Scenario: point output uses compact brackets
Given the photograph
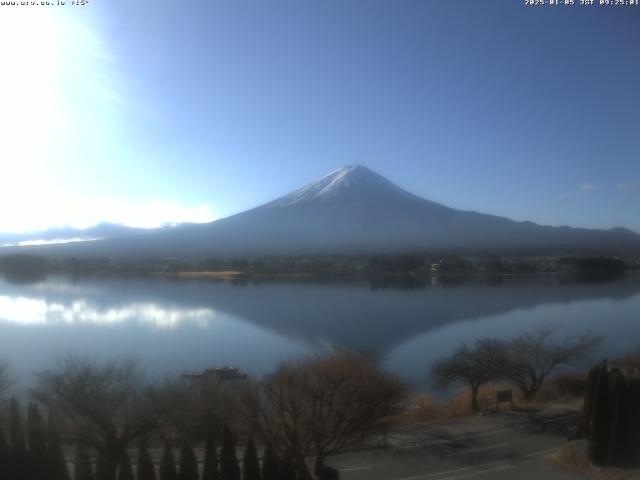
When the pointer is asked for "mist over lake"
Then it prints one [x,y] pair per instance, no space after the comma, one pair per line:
[177,325]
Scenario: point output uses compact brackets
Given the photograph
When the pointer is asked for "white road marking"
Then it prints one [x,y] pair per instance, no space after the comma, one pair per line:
[473,474]
[455,439]
[491,432]
[471,450]
[437,442]
[351,469]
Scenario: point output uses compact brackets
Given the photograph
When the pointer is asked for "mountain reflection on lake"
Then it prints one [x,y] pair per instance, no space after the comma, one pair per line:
[173,325]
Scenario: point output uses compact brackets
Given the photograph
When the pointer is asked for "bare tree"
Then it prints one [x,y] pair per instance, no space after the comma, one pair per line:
[532,356]
[184,405]
[105,403]
[320,406]
[475,366]
[629,363]
[193,413]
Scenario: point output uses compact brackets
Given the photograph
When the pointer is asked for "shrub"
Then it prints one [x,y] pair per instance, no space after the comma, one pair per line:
[269,464]
[57,462]
[145,469]
[250,464]
[229,468]
[168,465]
[82,464]
[210,467]
[19,454]
[124,469]
[188,462]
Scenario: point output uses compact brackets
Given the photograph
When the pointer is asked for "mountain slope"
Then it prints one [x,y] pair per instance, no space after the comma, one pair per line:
[354,210]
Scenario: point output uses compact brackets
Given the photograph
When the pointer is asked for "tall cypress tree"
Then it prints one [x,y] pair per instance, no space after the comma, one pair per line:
[57,463]
[600,424]
[145,469]
[229,468]
[250,465]
[619,418]
[188,462]
[270,464]
[82,469]
[287,472]
[38,457]
[168,465]
[19,453]
[210,468]
[587,407]
[101,470]
[6,472]
[124,468]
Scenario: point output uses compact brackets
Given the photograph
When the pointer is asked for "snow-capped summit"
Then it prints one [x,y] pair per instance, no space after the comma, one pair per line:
[351,180]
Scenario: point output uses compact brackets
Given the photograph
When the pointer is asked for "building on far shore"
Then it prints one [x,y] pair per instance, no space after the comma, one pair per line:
[211,378]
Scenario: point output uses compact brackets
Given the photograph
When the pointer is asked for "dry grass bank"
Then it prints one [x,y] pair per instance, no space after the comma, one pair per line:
[565,390]
[574,457]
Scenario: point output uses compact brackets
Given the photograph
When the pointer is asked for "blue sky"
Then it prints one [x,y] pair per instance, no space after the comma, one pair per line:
[151,111]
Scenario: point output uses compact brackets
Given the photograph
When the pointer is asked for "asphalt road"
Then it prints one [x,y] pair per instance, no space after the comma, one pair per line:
[501,446]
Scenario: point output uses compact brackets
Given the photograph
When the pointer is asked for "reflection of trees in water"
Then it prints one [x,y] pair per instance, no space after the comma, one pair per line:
[384,315]
[20,268]
[25,277]
[591,277]
[373,315]
[398,282]
[375,282]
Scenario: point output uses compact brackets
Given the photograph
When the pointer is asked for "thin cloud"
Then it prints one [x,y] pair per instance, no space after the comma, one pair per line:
[39,214]
[161,213]
[628,186]
[588,187]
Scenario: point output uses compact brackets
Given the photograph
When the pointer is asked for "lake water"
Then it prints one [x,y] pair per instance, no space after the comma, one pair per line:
[177,325]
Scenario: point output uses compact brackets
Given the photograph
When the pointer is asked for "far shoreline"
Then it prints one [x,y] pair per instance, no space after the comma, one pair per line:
[230,274]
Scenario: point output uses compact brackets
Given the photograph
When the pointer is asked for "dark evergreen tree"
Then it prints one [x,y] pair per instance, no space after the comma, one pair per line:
[19,453]
[611,416]
[168,465]
[210,468]
[38,457]
[633,425]
[125,472]
[619,418]
[188,462]
[102,470]
[5,458]
[57,465]
[587,406]
[250,464]
[82,469]
[145,469]
[229,468]
[287,471]
[600,423]
[269,464]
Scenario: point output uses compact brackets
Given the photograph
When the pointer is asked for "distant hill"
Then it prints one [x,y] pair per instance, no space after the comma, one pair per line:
[102,230]
[354,210]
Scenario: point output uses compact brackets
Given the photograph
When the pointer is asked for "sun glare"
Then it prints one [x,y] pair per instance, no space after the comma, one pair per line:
[30,54]
[30,106]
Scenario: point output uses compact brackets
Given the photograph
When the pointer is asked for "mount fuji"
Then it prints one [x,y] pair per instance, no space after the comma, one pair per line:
[354,210]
